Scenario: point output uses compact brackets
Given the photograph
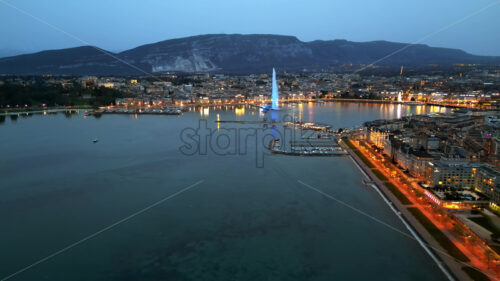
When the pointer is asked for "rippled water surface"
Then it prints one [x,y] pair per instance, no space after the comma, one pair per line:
[242,222]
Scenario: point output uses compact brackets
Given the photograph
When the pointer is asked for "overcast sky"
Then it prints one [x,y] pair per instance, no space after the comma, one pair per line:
[123,24]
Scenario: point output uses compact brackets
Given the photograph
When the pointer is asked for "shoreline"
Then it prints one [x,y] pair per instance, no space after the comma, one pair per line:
[11,111]
[41,111]
[451,268]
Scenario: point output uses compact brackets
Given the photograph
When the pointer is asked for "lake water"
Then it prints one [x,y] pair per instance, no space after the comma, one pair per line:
[243,222]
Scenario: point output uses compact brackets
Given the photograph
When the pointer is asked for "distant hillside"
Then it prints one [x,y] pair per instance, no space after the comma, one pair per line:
[234,53]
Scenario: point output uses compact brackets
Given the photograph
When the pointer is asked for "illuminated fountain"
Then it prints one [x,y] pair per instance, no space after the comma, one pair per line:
[275,96]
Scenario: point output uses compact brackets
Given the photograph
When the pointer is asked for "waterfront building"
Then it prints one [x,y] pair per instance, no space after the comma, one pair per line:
[415,161]
[479,177]
[457,175]
[378,138]
[488,183]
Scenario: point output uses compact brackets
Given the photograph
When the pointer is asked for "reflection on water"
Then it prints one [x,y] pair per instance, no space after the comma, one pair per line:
[239,110]
[301,111]
[354,113]
[419,109]
[205,111]
[437,109]
[242,222]
[68,114]
[329,112]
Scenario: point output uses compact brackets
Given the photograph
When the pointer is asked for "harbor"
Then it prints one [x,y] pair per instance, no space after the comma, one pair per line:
[324,143]
[138,110]
[307,150]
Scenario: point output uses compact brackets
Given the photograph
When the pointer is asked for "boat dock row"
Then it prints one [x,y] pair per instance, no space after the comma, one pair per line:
[311,150]
[308,126]
[246,122]
[155,110]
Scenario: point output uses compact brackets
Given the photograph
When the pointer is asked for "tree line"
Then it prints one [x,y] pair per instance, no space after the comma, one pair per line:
[39,93]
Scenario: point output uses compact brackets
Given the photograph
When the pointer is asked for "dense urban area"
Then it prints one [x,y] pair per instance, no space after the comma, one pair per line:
[466,85]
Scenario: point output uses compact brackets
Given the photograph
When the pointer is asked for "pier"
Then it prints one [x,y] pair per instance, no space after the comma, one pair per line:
[141,110]
[246,122]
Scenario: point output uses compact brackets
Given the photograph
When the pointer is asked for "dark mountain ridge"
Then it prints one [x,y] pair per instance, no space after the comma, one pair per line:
[235,53]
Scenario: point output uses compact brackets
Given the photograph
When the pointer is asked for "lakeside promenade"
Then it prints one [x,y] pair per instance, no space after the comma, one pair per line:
[450,266]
